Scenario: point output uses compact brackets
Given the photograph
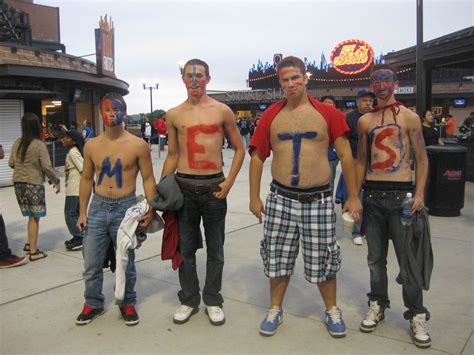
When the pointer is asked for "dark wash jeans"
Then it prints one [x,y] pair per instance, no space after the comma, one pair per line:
[382,219]
[212,211]
[71,215]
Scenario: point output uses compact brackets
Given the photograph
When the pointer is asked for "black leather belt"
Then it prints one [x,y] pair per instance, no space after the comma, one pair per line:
[302,197]
[198,188]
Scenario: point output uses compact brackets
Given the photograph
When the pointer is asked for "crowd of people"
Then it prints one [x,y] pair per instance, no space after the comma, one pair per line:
[372,145]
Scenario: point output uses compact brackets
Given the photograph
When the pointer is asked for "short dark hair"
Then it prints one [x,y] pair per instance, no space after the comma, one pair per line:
[196,61]
[114,96]
[330,97]
[291,62]
[384,67]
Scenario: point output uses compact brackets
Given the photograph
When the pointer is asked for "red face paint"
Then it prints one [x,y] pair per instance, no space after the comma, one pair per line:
[195,148]
[292,81]
[195,80]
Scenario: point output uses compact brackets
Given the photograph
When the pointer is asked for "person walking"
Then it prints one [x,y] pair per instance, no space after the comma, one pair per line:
[74,142]
[30,161]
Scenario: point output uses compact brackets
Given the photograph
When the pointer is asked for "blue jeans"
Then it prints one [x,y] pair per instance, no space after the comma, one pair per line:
[71,215]
[382,219]
[103,220]
[162,140]
[212,211]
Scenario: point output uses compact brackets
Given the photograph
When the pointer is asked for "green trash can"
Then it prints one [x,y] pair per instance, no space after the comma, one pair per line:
[446,180]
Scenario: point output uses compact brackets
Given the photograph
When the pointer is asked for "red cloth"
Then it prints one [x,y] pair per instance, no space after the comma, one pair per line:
[336,123]
[161,126]
[170,244]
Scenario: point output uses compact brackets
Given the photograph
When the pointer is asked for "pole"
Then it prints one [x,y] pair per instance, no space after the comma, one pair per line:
[420,70]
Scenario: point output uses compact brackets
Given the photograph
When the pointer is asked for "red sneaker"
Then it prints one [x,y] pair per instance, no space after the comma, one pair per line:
[129,314]
[13,261]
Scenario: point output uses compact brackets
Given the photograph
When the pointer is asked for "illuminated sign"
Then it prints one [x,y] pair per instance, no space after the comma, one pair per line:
[104,47]
[352,57]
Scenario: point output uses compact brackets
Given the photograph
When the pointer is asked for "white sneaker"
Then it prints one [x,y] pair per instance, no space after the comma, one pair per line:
[373,317]
[183,313]
[357,240]
[216,315]
[419,331]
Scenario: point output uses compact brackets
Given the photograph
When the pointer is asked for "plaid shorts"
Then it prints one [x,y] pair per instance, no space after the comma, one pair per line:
[285,221]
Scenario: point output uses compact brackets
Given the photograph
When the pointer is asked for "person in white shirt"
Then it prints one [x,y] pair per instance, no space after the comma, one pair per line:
[74,142]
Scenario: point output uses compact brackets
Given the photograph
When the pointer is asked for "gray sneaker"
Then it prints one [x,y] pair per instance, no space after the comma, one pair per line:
[373,317]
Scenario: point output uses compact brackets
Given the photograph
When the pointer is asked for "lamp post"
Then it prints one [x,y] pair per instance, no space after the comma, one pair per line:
[152,87]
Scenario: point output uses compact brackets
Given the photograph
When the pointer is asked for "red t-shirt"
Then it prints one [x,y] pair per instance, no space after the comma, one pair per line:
[336,123]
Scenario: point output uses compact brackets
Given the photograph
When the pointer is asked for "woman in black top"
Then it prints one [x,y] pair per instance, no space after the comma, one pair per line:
[430,134]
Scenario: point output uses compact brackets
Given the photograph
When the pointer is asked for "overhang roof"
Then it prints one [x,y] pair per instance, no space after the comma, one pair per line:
[455,50]
[13,70]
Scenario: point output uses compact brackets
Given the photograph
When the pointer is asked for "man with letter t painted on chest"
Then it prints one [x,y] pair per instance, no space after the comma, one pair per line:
[115,157]
[195,134]
[383,160]
[298,130]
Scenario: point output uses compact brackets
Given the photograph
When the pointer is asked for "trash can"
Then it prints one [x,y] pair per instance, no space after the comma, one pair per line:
[446,178]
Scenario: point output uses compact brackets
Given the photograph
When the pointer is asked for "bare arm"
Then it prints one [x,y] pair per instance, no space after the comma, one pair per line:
[171,161]
[344,153]
[362,151]
[255,178]
[421,172]
[239,154]
[146,170]
[85,186]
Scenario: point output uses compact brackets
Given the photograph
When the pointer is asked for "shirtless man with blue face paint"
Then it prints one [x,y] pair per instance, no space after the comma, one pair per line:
[114,158]
[298,131]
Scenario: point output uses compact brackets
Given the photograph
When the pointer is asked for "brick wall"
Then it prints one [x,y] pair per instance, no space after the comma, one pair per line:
[46,59]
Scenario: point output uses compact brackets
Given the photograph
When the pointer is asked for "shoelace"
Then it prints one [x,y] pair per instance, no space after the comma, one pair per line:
[128,310]
[372,314]
[183,310]
[86,310]
[214,310]
[272,314]
[420,326]
[335,316]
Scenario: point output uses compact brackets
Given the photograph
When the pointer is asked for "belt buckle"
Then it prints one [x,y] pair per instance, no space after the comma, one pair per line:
[306,198]
[196,188]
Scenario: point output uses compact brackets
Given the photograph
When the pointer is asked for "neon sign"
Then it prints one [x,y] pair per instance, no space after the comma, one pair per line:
[352,57]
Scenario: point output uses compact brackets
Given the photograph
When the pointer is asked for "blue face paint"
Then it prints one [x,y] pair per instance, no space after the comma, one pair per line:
[296,137]
[109,171]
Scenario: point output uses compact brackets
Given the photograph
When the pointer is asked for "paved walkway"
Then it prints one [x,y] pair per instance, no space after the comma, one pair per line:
[40,301]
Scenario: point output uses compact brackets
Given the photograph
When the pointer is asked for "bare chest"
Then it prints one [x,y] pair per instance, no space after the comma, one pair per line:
[308,126]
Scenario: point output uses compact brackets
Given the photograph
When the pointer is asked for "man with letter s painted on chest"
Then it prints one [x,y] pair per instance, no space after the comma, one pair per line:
[298,130]
[386,135]
[195,134]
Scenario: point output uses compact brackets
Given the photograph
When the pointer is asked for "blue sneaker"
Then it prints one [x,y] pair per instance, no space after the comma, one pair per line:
[335,324]
[270,324]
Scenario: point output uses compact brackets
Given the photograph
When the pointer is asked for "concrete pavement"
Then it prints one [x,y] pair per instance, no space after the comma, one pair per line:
[40,301]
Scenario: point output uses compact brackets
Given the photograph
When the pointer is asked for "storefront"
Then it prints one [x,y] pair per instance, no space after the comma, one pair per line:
[36,75]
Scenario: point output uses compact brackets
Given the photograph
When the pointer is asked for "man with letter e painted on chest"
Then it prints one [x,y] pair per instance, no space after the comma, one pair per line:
[298,130]
[195,134]
[383,160]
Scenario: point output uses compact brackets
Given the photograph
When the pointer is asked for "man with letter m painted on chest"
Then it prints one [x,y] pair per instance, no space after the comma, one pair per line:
[298,130]
[195,134]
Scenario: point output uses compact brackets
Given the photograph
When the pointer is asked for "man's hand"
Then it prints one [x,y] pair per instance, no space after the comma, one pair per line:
[144,222]
[225,188]
[354,206]
[58,188]
[256,207]
[418,204]
[81,222]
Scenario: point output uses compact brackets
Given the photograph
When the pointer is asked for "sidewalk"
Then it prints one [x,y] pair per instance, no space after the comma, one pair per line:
[40,301]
